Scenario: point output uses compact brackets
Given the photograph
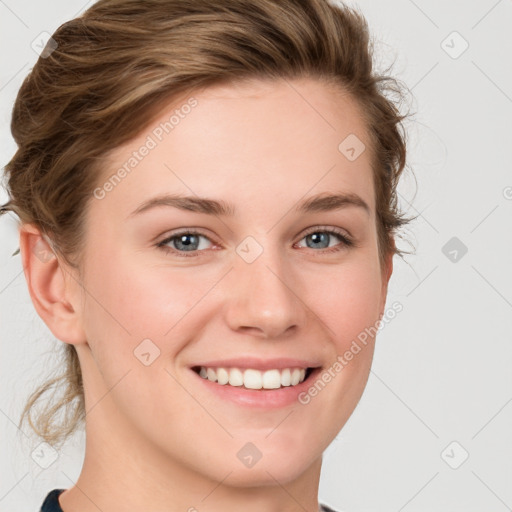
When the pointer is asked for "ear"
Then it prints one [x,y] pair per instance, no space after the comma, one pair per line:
[54,292]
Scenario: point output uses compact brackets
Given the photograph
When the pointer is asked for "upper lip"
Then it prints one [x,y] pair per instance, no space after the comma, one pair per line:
[258,363]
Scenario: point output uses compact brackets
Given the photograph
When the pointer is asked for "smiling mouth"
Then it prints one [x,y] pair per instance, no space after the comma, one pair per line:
[253,379]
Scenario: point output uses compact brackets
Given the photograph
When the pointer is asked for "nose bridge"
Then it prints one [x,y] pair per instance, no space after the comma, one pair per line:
[263,297]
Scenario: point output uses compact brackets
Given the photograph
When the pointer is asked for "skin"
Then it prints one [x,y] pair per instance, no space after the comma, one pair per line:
[156,438]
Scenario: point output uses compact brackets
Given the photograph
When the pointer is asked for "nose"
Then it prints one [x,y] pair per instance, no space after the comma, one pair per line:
[264,298]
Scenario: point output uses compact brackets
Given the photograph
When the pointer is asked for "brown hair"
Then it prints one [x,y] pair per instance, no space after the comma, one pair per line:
[114,65]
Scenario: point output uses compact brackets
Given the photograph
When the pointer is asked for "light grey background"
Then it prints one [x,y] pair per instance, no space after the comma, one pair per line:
[443,367]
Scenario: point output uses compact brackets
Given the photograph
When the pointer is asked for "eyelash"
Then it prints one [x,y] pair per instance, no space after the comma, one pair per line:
[346,241]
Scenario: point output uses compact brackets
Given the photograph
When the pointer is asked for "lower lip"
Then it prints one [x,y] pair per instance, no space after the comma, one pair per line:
[264,398]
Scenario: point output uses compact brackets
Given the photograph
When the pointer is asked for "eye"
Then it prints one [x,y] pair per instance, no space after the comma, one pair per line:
[320,238]
[183,242]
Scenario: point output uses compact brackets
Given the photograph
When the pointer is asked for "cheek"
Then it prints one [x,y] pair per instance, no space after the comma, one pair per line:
[349,308]
[348,300]
[128,302]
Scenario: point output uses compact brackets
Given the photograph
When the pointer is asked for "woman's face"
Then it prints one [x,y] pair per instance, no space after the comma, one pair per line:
[264,286]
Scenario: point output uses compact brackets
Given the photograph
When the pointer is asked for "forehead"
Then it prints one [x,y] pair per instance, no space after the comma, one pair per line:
[263,139]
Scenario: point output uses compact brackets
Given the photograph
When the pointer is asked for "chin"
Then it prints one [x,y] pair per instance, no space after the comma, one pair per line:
[271,467]
[264,475]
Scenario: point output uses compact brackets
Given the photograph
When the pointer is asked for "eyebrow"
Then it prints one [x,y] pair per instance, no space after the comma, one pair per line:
[319,203]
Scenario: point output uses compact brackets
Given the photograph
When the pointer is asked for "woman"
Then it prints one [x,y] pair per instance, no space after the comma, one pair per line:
[207,203]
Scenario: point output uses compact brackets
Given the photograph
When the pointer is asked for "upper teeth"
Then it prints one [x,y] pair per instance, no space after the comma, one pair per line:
[254,379]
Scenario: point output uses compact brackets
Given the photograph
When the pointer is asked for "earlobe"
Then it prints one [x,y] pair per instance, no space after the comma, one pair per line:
[45,275]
